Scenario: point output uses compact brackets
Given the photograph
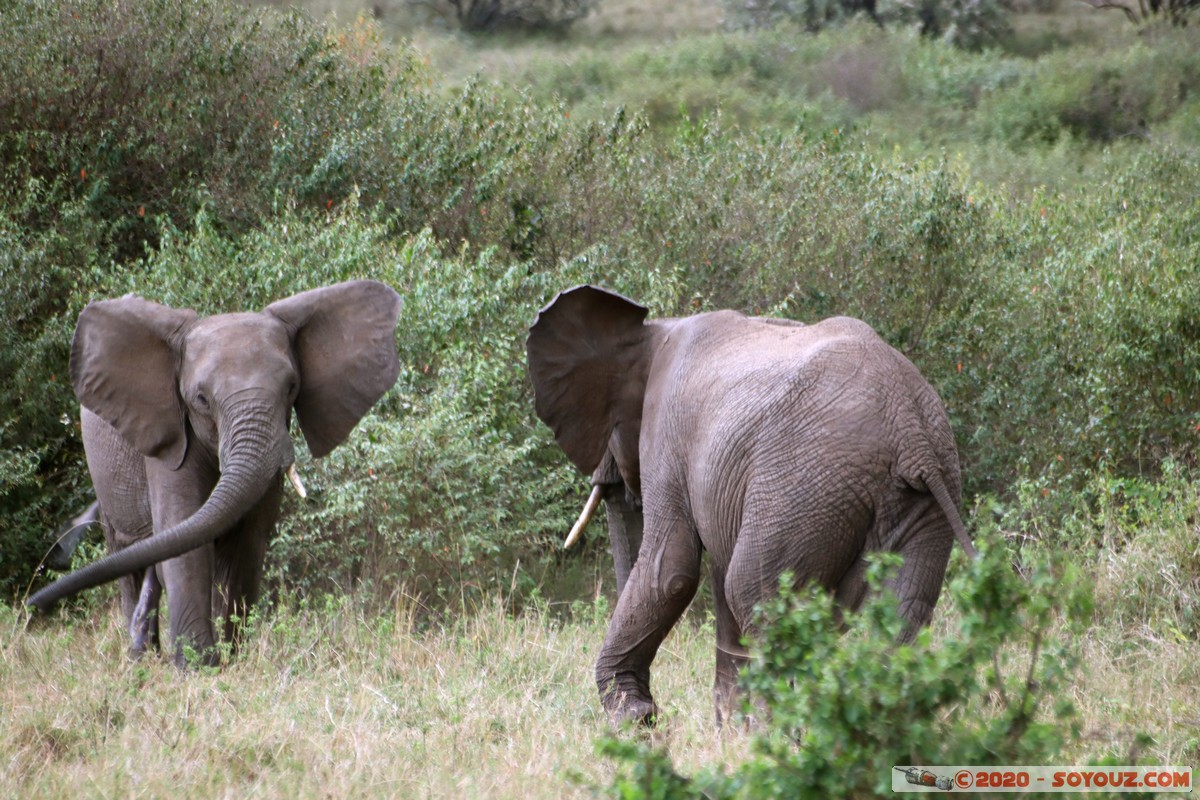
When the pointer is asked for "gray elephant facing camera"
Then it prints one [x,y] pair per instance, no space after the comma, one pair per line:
[185,426]
[774,446]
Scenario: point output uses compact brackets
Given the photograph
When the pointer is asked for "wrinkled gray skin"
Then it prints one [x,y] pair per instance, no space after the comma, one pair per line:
[185,425]
[773,445]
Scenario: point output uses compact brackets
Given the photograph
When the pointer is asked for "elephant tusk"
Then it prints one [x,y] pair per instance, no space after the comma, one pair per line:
[294,478]
[589,508]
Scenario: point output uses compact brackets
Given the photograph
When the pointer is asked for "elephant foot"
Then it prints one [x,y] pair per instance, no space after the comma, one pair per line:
[145,638]
[740,712]
[728,698]
[188,658]
[626,698]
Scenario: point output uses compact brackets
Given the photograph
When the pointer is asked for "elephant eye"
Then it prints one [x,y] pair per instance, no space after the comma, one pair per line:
[293,390]
[201,400]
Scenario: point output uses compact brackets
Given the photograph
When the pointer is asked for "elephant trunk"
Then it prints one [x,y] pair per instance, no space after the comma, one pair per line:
[252,455]
[625,523]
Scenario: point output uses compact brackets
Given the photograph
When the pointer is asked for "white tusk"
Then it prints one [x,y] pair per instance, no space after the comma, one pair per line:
[589,508]
[294,477]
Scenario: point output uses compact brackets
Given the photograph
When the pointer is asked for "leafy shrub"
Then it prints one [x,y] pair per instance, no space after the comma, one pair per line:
[1140,534]
[1056,324]
[969,24]
[813,15]
[972,24]
[842,710]
[910,92]
[1176,12]
[1149,563]
[40,270]
[450,489]
[1098,96]
[1080,347]
[131,106]
[489,15]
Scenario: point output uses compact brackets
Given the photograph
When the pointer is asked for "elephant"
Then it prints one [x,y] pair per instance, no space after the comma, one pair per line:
[185,425]
[68,537]
[776,447]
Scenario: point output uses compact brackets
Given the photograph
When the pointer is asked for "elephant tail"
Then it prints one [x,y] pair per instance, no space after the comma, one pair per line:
[937,487]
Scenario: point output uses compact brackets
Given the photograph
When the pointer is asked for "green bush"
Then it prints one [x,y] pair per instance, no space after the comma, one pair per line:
[843,710]
[230,157]
[972,24]
[479,16]
[969,24]
[40,476]
[450,489]
[1138,532]
[1094,95]
[1081,345]
[907,91]
[130,107]
[813,15]
[1147,554]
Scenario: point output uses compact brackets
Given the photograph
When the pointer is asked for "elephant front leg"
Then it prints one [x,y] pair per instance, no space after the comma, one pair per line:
[238,565]
[660,586]
[189,584]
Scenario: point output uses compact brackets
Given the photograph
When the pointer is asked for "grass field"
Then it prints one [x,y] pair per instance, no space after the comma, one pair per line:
[332,703]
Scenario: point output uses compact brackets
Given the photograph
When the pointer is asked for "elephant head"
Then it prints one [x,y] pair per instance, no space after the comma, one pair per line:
[589,354]
[190,416]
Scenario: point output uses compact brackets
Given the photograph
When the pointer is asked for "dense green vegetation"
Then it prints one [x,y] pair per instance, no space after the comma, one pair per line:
[1023,223]
[847,707]
[212,157]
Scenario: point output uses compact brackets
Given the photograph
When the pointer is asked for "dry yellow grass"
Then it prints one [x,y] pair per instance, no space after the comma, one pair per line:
[331,704]
[334,703]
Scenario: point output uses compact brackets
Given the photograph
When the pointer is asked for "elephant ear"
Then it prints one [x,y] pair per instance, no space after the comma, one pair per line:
[588,360]
[344,339]
[124,361]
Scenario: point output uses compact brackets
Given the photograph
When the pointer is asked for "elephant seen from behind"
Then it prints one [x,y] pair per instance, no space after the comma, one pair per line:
[775,446]
[185,427]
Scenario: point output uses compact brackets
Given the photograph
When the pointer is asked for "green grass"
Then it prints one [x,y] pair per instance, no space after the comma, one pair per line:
[1072,95]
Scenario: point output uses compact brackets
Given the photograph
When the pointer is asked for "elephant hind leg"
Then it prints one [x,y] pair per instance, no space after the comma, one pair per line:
[143,621]
[731,652]
[924,538]
[818,548]
[852,589]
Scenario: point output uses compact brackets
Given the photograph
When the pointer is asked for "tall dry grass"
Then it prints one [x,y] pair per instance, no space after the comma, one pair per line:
[330,702]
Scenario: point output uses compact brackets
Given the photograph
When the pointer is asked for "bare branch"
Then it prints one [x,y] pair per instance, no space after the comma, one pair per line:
[1101,4]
